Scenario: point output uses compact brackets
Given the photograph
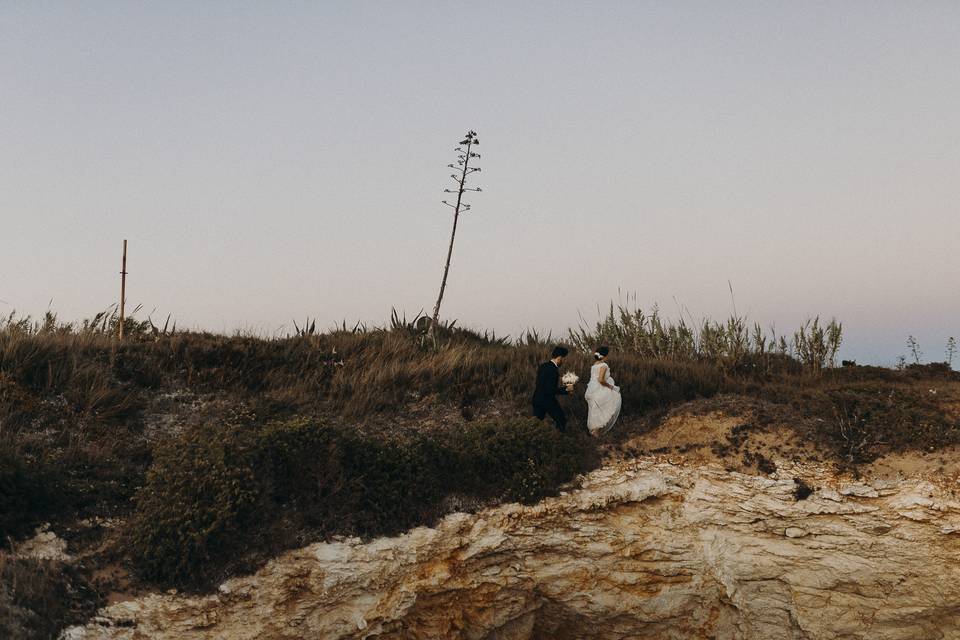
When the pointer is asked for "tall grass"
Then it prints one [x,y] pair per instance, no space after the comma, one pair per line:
[728,344]
[359,370]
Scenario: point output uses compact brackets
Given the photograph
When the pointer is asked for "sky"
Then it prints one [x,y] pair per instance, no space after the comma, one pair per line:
[283,160]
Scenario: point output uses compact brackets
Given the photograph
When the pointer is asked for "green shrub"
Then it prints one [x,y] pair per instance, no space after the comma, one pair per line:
[200,493]
[70,476]
[342,482]
[301,463]
[396,485]
[213,493]
[931,370]
[519,460]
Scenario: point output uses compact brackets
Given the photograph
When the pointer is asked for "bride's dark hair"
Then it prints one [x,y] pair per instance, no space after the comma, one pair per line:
[601,352]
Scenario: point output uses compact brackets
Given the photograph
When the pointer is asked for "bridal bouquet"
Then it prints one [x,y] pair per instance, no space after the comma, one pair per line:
[569,379]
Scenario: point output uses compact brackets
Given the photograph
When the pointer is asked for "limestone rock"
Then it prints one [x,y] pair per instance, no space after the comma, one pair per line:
[644,550]
[44,545]
[859,490]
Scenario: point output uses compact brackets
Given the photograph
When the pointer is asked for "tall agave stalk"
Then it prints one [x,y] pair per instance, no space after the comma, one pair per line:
[465,154]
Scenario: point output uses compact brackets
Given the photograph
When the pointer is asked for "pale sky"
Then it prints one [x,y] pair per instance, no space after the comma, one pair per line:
[279,160]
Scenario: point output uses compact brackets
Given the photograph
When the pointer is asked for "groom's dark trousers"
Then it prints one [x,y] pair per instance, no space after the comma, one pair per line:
[545,395]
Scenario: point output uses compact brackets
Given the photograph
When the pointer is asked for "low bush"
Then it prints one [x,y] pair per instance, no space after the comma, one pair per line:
[396,485]
[213,493]
[857,419]
[200,493]
[18,407]
[338,481]
[40,597]
[931,370]
[866,419]
[519,460]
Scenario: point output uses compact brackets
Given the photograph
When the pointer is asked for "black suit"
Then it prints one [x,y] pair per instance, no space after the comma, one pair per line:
[545,395]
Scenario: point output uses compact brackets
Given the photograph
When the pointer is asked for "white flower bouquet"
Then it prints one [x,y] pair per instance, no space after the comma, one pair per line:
[569,379]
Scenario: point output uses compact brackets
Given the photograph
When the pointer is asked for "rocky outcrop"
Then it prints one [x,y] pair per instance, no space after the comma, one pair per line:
[643,549]
[44,545]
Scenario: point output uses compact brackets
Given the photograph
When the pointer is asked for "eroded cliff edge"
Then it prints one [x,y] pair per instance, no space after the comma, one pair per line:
[644,549]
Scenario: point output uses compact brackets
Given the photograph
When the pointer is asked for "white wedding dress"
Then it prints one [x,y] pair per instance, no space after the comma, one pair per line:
[603,403]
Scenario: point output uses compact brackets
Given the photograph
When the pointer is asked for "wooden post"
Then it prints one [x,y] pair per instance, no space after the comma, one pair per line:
[123,286]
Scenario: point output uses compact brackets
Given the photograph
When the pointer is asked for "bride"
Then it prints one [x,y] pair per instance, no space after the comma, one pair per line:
[602,395]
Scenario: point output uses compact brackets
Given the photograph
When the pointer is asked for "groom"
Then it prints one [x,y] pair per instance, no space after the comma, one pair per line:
[548,388]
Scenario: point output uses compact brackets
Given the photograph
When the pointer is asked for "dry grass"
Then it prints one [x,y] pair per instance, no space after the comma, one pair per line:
[729,345]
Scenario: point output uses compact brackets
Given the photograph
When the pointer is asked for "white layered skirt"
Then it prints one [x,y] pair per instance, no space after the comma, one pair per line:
[603,405]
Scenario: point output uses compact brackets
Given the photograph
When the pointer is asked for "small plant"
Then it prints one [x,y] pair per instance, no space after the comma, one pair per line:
[853,431]
[40,597]
[166,331]
[914,346]
[308,329]
[801,490]
[532,337]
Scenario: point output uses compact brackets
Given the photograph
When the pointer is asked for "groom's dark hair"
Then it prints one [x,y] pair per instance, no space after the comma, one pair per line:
[559,351]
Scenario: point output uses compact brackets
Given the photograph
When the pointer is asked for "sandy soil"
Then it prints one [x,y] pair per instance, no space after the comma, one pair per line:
[720,438]
[739,439]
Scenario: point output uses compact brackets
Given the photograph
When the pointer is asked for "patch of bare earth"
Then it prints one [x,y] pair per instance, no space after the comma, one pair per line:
[940,467]
[739,434]
[753,436]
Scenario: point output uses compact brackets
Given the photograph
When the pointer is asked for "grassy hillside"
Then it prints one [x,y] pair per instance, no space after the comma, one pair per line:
[215,452]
